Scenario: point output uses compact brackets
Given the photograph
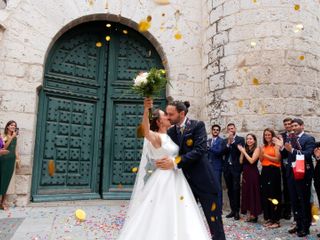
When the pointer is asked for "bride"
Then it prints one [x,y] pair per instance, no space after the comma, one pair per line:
[162,205]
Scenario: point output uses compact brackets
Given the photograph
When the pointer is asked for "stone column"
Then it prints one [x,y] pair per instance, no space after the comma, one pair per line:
[261,63]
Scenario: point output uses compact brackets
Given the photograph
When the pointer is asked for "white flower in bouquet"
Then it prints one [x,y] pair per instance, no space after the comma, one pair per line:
[141,79]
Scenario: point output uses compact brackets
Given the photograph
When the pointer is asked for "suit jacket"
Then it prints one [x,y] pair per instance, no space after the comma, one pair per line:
[307,144]
[232,155]
[194,158]
[215,152]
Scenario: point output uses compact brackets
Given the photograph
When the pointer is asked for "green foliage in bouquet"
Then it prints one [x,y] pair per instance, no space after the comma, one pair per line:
[149,84]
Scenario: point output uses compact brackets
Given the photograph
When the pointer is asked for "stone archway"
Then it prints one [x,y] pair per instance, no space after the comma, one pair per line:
[88,115]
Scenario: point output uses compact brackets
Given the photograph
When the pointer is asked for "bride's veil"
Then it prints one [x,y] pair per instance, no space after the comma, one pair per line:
[142,175]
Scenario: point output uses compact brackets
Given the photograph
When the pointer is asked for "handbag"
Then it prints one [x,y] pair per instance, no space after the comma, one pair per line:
[298,166]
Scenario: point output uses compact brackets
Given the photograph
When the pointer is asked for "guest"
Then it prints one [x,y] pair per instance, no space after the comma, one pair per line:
[250,198]
[316,155]
[8,161]
[232,169]
[215,155]
[299,190]
[286,204]
[270,179]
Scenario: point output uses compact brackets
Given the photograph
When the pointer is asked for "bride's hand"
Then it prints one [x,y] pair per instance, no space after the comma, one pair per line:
[148,103]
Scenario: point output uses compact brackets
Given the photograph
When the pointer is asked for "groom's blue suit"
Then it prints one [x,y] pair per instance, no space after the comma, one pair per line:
[196,168]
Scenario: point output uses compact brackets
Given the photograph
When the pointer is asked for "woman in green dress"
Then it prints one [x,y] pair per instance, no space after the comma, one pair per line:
[8,161]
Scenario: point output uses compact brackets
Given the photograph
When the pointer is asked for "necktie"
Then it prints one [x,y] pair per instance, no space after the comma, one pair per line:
[180,132]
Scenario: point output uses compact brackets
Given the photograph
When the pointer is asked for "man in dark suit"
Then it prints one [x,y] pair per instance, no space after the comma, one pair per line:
[215,147]
[299,190]
[286,205]
[232,169]
[191,136]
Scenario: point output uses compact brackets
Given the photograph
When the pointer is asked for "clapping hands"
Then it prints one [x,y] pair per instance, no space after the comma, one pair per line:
[241,148]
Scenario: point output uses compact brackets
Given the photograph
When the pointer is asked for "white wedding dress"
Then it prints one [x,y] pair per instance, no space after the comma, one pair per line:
[162,205]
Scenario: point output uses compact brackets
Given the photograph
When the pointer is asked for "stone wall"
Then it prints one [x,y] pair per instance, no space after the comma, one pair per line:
[29,28]
[261,63]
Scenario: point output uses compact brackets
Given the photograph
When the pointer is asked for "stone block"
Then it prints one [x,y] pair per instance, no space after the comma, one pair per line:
[226,23]
[217,81]
[230,7]
[16,69]
[23,184]
[267,29]
[216,14]
[220,39]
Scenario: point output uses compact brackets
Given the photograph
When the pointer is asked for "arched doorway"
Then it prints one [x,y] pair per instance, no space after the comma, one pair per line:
[87,114]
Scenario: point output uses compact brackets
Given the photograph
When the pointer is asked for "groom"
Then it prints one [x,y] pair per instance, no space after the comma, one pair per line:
[191,137]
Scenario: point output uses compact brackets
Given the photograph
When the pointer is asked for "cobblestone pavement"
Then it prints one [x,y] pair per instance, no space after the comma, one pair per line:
[103,221]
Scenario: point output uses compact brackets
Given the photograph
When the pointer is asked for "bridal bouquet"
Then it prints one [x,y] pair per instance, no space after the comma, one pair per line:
[149,84]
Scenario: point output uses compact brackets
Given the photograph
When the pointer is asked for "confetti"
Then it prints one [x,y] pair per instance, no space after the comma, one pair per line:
[149,18]
[98,44]
[144,25]
[80,215]
[253,43]
[298,28]
[213,206]
[162,2]
[178,36]
[90,2]
[255,81]
[240,103]
[213,219]
[296,7]
[51,168]
[254,1]
[274,201]
[108,25]
[134,170]
[301,57]
[108,38]
[125,31]
[181,198]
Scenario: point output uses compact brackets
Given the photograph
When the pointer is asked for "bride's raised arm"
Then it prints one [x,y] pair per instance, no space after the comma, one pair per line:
[153,137]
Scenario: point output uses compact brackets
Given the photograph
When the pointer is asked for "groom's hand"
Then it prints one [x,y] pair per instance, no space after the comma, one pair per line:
[165,163]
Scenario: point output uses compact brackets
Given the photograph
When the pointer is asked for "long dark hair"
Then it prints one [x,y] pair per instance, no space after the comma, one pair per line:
[154,120]
[7,125]
[255,143]
[273,134]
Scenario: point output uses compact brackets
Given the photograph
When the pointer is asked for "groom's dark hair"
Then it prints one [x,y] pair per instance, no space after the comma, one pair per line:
[181,106]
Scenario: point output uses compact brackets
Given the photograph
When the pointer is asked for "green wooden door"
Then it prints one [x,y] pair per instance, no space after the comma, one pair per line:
[88,115]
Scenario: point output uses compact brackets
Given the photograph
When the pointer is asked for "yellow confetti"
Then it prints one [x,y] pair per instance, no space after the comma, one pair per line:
[274,201]
[297,7]
[315,217]
[134,170]
[150,171]
[108,25]
[51,168]
[98,44]
[80,215]
[253,43]
[254,1]
[108,38]
[181,198]
[144,25]
[213,206]
[163,2]
[255,81]
[125,31]
[149,18]
[177,160]
[213,219]
[240,103]
[189,142]
[299,27]
[178,36]
[301,57]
